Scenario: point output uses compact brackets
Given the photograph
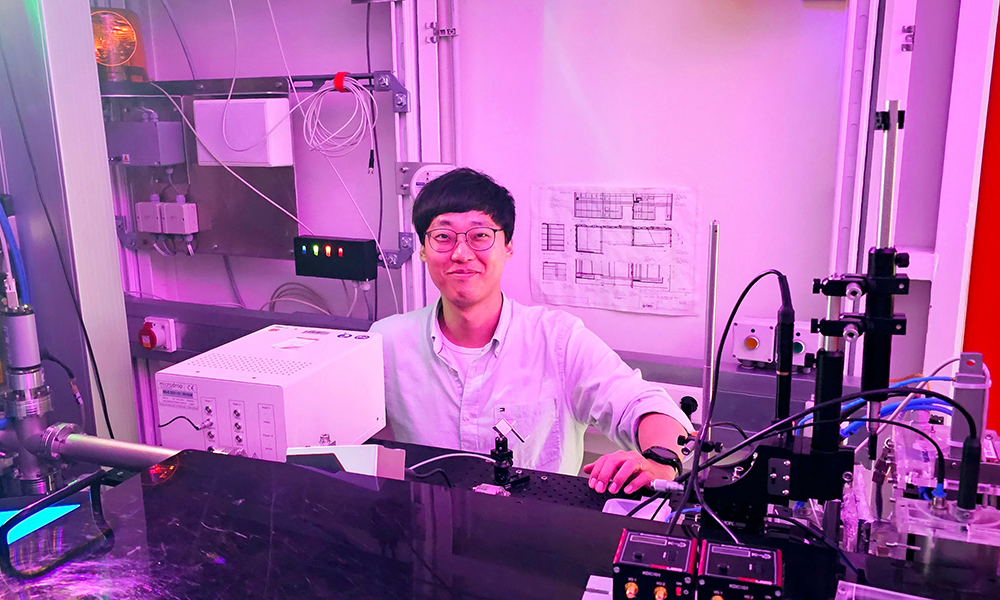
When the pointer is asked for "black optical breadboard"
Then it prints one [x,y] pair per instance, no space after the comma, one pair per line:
[336,258]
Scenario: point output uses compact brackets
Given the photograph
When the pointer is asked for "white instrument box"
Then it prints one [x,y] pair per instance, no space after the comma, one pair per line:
[278,387]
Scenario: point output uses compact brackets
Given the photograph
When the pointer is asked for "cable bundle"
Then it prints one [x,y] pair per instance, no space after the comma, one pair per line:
[352,133]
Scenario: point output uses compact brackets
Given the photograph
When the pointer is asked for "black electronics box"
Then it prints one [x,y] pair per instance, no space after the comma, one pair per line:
[353,260]
[649,566]
[728,572]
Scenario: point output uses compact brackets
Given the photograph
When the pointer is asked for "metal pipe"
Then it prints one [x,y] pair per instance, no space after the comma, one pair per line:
[834,305]
[870,138]
[887,210]
[446,80]
[708,375]
[109,453]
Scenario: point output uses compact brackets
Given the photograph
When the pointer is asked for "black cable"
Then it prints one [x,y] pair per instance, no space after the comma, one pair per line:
[706,509]
[818,537]
[47,356]
[645,503]
[657,511]
[431,473]
[973,430]
[55,241]
[731,425]
[378,155]
[784,424]
[196,428]
[696,458]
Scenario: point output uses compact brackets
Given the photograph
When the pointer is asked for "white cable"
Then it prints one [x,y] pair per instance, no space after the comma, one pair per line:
[281,51]
[378,245]
[452,455]
[225,166]
[352,133]
[350,309]
[286,299]
[292,288]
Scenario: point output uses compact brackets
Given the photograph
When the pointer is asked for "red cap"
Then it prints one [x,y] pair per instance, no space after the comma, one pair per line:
[147,337]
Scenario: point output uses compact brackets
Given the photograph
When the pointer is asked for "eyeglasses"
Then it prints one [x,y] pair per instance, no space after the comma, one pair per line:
[478,238]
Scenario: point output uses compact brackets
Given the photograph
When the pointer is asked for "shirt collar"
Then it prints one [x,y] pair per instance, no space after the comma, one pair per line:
[499,335]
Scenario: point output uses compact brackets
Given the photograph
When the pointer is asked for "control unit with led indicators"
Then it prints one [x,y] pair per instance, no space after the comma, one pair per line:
[727,572]
[336,258]
[649,566]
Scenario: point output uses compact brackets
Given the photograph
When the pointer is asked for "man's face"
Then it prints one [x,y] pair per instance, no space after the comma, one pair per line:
[466,277]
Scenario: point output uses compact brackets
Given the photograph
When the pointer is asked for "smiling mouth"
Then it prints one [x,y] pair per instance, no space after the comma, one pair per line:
[463,273]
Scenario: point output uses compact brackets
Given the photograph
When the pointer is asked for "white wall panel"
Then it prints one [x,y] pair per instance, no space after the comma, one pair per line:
[737,100]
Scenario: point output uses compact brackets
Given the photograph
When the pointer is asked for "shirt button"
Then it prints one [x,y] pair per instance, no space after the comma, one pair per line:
[467,418]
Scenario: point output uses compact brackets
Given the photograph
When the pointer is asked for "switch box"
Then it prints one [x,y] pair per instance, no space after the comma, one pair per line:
[147,217]
[258,129]
[145,143]
[179,218]
[753,342]
[353,260]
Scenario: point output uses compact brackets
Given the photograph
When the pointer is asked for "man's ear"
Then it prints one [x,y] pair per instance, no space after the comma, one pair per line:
[423,256]
[509,250]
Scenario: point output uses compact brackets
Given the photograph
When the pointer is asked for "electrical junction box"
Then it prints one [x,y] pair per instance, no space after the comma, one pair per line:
[754,343]
[278,387]
[353,260]
[147,217]
[258,130]
[158,333]
[179,218]
[145,143]
[650,566]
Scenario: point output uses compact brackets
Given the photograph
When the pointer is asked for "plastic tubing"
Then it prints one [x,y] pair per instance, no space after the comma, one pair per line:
[15,257]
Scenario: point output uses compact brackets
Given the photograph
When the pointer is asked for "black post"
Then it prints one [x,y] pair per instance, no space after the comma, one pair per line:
[878,343]
[829,386]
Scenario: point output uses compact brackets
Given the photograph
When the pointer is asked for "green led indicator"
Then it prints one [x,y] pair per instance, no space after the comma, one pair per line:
[315,249]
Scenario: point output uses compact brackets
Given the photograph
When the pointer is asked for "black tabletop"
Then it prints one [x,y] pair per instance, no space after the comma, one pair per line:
[209,526]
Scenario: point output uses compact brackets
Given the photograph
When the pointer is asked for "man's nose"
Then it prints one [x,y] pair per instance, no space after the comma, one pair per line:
[462,251]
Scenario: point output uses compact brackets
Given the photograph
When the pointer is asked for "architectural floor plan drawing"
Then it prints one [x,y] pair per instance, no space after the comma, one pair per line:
[621,249]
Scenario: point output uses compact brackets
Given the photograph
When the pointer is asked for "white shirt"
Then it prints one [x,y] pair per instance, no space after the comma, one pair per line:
[460,357]
[543,371]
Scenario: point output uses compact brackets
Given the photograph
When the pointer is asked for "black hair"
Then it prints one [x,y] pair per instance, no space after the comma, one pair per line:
[464,190]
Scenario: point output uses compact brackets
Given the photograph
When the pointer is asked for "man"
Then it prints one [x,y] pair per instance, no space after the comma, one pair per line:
[455,369]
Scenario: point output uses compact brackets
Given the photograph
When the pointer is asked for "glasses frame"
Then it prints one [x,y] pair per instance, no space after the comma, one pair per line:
[427,237]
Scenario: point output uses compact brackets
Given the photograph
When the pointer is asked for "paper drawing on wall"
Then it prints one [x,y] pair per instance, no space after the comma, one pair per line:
[622,249]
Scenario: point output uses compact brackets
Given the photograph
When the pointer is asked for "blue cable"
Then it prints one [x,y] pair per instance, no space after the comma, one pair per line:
[15,257]
[887,410]
[898,384]
[857,426]
[911,380]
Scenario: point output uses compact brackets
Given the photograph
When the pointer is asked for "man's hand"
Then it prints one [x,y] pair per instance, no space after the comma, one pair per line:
[626,469]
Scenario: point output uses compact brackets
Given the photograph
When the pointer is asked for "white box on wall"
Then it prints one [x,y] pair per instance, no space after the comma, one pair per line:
[248,122]
[148,218]
[179,218]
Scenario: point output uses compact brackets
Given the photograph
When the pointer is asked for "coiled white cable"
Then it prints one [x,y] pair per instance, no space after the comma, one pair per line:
[352,133]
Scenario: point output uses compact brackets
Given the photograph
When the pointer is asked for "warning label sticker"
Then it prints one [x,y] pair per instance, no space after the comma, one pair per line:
[178,395]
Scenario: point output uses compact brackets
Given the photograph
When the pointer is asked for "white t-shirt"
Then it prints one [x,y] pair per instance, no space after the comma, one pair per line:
[459,357]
